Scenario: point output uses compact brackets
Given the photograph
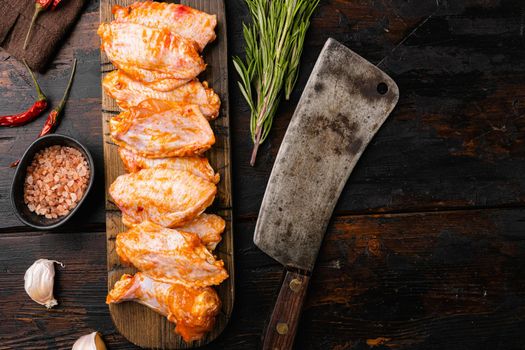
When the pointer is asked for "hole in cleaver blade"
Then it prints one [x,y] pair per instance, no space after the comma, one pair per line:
[343,105]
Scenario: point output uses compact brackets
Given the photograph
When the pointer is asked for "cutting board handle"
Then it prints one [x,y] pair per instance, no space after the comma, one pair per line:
[281,329]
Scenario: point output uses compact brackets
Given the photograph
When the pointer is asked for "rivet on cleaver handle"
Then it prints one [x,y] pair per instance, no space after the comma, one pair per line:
[344,103]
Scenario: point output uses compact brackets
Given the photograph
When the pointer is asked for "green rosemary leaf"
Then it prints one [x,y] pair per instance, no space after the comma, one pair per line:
[274,45]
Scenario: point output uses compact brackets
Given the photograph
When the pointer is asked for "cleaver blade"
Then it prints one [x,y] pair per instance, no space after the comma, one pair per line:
[343,105]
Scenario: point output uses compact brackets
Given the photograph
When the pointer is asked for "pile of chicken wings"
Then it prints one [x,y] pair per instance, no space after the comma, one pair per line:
[162,132]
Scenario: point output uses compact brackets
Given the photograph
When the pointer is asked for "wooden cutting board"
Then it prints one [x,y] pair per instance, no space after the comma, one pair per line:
[137,323]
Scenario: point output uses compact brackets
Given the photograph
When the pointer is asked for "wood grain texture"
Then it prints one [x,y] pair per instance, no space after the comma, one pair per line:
[137,323]
[456,134]
[81,117]
[455,139]
[282,327]
[426,248]
[448,280]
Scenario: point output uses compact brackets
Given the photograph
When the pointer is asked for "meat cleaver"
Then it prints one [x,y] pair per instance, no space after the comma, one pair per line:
[344,103]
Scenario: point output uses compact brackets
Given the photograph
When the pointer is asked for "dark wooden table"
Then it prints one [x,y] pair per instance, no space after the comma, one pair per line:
[427,246]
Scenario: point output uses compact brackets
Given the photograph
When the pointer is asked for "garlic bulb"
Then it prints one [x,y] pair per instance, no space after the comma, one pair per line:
[91,341]
[39,280]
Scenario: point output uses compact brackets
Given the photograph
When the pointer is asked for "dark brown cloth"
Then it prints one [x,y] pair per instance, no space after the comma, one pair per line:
[48,32]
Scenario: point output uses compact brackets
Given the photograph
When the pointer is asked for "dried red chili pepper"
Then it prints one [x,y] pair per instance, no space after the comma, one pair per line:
[52,119]
[55,4]
[34,111]
[40,5]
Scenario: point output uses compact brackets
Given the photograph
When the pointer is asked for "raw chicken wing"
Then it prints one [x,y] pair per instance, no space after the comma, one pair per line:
[129,44]
[208,227]
[158,129]
[198,166]
[180,19]
[193,310]
[129,93]
[165,196]
[152,79]
[169,255]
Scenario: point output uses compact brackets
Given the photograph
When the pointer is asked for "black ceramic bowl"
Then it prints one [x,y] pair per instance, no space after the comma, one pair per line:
[17,188]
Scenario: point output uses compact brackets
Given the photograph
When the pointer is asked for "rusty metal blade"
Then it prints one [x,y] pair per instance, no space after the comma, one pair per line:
[345,102]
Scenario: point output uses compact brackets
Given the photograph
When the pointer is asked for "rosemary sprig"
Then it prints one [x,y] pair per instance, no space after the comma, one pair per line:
[274,44]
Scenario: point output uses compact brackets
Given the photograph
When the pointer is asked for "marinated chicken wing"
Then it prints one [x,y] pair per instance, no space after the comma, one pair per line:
[130,93]
[130,44]
[165,196]
[208,227]
[193,310]
[152,79]
[198,166]
[169,255]
[158,129]
[166,84]
[180,19]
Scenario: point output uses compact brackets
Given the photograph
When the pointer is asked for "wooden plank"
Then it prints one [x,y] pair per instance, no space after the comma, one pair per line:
[81,118]
[451,280]
[420,281]
[409,166]
[79,289]
[137,323]
[456,139]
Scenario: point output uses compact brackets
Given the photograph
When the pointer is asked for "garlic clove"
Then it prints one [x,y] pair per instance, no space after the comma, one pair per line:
[39,281]
[91,341]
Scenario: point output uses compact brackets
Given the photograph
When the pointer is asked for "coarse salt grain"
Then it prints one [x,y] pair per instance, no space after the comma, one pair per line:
[56,181]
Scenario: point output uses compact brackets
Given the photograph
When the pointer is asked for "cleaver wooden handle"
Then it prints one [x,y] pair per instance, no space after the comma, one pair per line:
[281,330]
